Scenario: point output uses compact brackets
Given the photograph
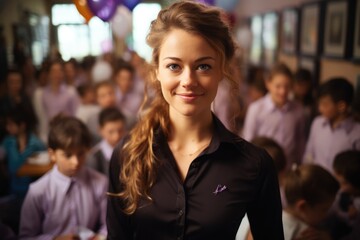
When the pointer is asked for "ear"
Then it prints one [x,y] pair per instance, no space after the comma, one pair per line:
[52,156]
[300,205]
[341,106]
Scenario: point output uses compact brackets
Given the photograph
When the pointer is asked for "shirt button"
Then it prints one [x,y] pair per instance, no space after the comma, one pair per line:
[181,212]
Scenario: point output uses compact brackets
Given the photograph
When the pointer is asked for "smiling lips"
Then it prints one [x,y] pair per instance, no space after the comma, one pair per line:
[189,96]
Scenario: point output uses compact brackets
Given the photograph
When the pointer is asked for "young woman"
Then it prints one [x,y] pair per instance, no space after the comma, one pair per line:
[180,174]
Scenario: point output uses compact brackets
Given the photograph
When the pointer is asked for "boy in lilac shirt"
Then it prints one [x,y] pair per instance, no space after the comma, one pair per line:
[70,200]
[335,130]
[275,116]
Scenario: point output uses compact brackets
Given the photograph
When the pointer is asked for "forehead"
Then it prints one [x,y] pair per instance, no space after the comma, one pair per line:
[326,99]
[185,45]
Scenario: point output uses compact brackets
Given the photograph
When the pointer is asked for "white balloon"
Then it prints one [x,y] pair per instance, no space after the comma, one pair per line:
[121,23]
[101,71]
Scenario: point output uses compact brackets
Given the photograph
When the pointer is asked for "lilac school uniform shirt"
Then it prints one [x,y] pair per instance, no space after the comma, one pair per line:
[325,143]
[57,205]
[65,101]
[285,125]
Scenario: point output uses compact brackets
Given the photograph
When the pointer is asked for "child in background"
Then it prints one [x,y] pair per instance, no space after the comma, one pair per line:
[277,117]
[304,94]
[335,130]
[112,129]
[105,94]
[69,201]
[57,97]
[347,170]
[310,191]
[19,145]
[127,98]
[88,110]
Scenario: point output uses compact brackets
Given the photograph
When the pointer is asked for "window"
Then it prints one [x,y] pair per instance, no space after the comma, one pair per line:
[76,38]
[143,14]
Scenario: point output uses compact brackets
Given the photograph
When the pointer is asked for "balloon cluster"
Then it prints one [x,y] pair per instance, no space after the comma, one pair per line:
[117,12]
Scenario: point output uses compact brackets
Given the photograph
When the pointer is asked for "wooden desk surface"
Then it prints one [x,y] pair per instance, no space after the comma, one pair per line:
[33,170]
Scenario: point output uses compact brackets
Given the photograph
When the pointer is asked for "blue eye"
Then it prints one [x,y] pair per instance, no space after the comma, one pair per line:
[173,67]
[204,67]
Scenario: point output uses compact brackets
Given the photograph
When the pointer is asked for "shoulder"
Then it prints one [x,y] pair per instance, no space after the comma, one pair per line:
[319,121]
[258,103]
[39,187]
[97,177]
[252,158]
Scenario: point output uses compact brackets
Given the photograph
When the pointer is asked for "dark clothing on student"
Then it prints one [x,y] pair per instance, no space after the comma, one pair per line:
[98,162]
[228,179]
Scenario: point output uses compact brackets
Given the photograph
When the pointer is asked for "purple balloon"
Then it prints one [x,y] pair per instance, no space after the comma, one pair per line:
[208,2]
[130,4]
[103,9]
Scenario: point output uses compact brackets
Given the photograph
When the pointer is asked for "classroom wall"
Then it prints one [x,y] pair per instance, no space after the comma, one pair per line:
[11,11]
[328,67]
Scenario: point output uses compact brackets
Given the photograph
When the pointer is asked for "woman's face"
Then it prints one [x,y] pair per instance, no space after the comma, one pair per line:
[189,72]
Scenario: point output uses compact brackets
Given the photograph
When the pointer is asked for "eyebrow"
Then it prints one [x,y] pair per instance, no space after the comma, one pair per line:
[197,60]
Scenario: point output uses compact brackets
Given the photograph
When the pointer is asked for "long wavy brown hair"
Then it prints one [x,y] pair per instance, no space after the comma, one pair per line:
[138,162]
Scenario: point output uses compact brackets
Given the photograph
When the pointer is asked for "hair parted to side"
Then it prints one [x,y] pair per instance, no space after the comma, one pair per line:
[68,134]
[310,182]
[138,167]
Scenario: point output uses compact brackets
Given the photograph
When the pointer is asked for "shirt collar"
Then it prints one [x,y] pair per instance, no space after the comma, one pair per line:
[106,149]
[346,124]
[270,105]
[64,182]
[221,135]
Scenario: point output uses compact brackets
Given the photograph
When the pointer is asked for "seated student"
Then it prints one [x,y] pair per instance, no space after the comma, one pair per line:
[112,129]
[335,130]
[277,117]
[20,144]
[310,191]
[70,200]
[347,170]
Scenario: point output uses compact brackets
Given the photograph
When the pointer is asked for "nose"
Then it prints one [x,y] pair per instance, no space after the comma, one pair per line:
[75,160]
[188,78]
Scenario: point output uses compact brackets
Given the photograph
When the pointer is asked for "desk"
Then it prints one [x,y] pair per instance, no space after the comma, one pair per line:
[33,170]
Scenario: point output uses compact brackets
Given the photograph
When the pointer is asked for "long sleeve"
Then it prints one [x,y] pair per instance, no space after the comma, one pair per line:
[117,222]
[249,129]
[265,213]
[309,153]
[31,218]
[103,202]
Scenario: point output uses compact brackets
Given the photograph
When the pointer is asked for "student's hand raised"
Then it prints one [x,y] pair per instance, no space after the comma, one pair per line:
[314,234]
[67,237]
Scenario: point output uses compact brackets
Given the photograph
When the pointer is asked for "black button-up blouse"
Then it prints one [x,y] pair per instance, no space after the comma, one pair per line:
[228,179]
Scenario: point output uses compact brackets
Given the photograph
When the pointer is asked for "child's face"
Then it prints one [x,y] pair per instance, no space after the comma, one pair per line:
[13,128]
[124,80]
[14,82]
[56,74]
[68,163]
[89,97]
[279,88]
[112,132]
[301,89]
[328,108]
[345,186]
[314,215]
[106,97]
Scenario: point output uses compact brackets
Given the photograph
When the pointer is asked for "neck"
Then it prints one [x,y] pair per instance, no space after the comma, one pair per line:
[54,87]
[190,130]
